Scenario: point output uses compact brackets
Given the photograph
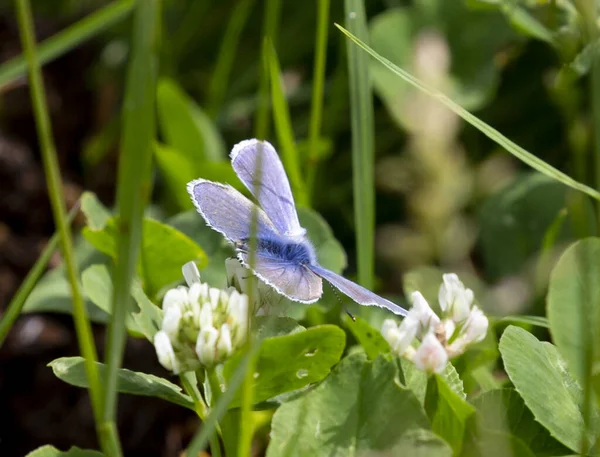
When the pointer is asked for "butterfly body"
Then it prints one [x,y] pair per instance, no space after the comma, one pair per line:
[285,258]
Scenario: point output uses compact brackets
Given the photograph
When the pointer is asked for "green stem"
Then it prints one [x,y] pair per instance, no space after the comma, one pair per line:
[52,173]
[270,30]
[133,182]
[361,113]
[316,109]
[190,385]
[16,304]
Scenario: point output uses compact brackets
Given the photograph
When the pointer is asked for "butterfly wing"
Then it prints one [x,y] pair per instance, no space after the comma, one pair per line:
[269,184]
[294,281]
[357,293]
[227,211]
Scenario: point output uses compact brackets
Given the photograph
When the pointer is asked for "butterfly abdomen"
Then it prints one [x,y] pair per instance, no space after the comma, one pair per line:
[279,249]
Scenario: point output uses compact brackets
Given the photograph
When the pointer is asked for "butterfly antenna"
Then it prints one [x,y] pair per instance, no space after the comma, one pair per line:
[335,292]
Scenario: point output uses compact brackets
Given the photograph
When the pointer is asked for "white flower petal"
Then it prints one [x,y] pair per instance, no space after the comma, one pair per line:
[164,352]
[214,295]
[206,345]
[422,312]
[476,326]
[205,319]
[455,300]
[431,356]
[175,297]
[224,346]
[171,320]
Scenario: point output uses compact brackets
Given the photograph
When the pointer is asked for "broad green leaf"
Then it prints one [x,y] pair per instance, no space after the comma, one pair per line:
[358,409]
[330,252]
[96,213]
[537,321]
[177,169]
[447,410]
[51,451]
[573,305]
[491,443]
[71,371]
[547,388]
[186,127]
[164,251]
[523,155]
[370,339]
[290,362]
[503,410]
[513,222]
[271,326]
[415,442]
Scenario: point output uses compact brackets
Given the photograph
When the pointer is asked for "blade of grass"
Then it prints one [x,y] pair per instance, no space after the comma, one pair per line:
[520,153]
[133,182]
[316,108]
[67,39]
[283,126]
[51,170]
[227,53]
[16,304]
[361,115]
[271,19]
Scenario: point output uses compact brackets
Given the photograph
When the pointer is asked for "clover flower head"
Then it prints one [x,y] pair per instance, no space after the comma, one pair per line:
[201,327]
[461,324]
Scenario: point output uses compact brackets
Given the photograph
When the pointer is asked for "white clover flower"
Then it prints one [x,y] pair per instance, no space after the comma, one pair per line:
[460,325]
[201,326]
[455,300]
[165,353]
[431,356]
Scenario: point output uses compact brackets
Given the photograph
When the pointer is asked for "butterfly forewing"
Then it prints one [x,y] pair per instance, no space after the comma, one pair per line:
[269,184]
[228,211]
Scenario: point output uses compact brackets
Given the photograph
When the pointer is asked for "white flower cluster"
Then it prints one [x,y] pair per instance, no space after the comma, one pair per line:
[462,324]
[201,326]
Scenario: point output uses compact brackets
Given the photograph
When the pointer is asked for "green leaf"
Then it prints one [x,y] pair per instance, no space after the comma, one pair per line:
[447,410]
[164,251]
[330,252]
[491,443]
[186,127]
[417,381]
[96,213]
[549,391]
[358,409]
[271,326]
[514,221]
[308,356]
[520,153]
[370,339]
[177,169]
[51,451]
[537,321]
[148,320]
[573,305]
[71,371]
[503,410]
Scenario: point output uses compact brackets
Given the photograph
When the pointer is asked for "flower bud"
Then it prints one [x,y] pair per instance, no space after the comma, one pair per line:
[476,326]
[431,356]
[164,351]
[455,300]
[422,312]
[206,345]
[400,336]
[224,346]
[171,319]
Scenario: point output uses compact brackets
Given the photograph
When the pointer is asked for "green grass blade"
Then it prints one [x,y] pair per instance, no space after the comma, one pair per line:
[270,31]
[361,114]
[52,173]
[133,181]
[16,304]
[316,108]
[520,153]
[283,126]
[67,39]
[227,53]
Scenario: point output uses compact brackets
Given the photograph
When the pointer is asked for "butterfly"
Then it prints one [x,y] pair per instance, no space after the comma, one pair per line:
[284,259]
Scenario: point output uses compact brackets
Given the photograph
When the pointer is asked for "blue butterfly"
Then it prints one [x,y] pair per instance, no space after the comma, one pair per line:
[285,259]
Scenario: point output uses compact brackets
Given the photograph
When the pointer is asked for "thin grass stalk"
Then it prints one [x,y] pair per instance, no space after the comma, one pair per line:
[316,107]
[52,172]
[271,20]
[226,57]
[283,126]
[67,39]
[133,182]
[13,310]
[361,114]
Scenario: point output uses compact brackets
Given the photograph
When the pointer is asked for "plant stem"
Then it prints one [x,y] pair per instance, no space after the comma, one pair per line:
[16,304]
[51,170]
[316,108]
[361,113]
